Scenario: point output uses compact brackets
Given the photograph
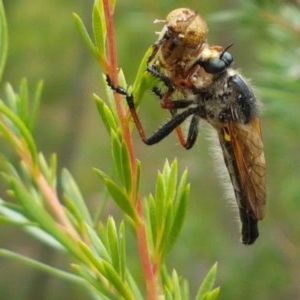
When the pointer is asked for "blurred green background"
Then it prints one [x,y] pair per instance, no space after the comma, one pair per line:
[44,44]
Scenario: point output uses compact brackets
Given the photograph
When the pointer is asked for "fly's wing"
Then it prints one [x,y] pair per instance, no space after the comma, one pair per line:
[247,145]
[244,157]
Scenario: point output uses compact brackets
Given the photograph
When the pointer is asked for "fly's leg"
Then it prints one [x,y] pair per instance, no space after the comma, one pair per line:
[190,140]
[164,130]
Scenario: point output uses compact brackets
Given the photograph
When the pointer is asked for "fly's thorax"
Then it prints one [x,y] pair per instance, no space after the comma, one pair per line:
[201,80]
[229,98]
[185,94]
[242,93]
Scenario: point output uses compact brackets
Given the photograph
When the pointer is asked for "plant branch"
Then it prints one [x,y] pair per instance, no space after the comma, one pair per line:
[140,227]
[54,204]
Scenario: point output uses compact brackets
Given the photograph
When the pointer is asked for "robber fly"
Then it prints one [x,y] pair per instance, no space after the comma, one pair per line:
[199,79]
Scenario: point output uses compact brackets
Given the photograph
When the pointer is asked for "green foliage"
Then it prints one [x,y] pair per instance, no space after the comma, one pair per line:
[206,291]
[52,208]
[166,210]
[119,196]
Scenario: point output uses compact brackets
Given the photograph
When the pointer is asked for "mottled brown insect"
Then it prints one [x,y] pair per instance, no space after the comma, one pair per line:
[200,81]
[182,49]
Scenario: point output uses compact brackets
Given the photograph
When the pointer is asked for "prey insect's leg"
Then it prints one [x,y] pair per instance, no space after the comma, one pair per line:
[163,78]
[156,47]
[164,130]
[171,104]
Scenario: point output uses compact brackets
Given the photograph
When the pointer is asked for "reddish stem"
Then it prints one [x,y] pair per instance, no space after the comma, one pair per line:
[149,275]
[55,205]
[113,65]
[143,247]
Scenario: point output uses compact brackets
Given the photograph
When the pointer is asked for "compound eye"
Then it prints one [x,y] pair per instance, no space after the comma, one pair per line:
[227,58]
[217,65]
[214,65]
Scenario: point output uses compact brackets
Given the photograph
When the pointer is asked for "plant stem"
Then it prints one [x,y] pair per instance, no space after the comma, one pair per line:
[149,275]
[140,227]
[54,204]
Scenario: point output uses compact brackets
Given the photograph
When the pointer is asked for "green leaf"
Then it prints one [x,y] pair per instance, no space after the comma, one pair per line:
[213,295]
[122,251]
[35,104]
[85,35]
[3,39]
[110,93]
[112,238]
[165,230]
[121,160]
[23,130]
[174,286]
[153,228]
[116,153]
[115,279]
[106,114]
[34,211]
[103,288]
[12,214]
[134,287]
[119,196]
[171,179]
[160,198]
[143,80]
[24,106]
[165,278]
[126,167]
[43,267]
[97,243]
[48,171]
[91,257]
[180,207]
[207,284]
[73,193]
[138,176]
[22,103]
[99,28]
[11,96]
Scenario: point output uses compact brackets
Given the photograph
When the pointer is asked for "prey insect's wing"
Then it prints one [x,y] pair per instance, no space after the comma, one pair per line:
[244,157]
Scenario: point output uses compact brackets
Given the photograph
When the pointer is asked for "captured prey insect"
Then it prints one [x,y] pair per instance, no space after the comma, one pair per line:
[199,80]
[181,54]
